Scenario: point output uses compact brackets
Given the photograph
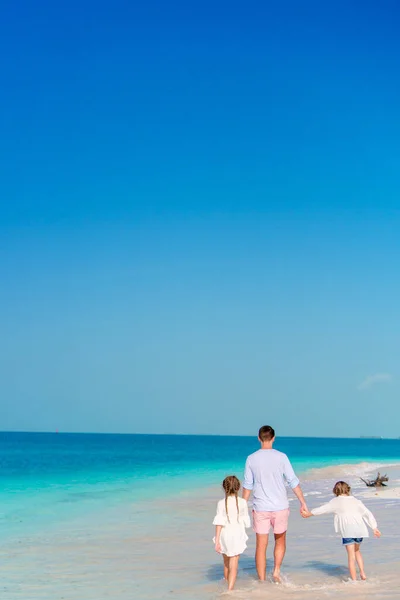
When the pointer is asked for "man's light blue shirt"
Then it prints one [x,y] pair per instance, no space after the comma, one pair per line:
[266,473]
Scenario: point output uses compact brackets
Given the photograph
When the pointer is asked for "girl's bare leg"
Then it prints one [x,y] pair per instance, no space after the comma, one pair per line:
[351,554]
[360,562]
[232,571]
[226,566]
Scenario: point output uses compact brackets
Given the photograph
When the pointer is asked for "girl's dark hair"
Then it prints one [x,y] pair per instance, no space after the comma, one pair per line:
[231,486]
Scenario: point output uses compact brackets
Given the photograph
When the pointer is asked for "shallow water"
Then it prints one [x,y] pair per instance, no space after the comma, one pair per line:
[163,549]
[110,542]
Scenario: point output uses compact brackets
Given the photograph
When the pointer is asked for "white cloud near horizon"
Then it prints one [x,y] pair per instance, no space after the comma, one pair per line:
[374,379]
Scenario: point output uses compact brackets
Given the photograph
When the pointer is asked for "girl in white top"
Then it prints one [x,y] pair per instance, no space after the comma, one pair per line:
[230,522]
[351,520]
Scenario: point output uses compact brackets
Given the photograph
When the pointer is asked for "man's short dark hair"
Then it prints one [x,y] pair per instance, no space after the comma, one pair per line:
[266,433]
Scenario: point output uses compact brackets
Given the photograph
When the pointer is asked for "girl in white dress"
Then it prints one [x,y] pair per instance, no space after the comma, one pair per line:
[230,522]
[351,520]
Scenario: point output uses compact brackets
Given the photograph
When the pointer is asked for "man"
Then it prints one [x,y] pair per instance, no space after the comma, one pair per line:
[265,475]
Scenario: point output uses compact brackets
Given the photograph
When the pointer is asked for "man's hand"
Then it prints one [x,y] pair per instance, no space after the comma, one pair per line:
[305,513]
[303,508]
[377,533]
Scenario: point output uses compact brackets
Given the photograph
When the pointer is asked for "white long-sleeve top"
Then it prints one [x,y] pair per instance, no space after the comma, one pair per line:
[351,516]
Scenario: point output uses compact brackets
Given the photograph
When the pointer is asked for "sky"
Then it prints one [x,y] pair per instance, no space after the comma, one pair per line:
[200,216]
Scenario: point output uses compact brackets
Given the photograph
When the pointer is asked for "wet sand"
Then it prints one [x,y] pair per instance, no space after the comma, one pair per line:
[163,549]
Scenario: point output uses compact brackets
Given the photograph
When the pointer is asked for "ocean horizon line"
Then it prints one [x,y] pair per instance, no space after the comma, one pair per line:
[193,435]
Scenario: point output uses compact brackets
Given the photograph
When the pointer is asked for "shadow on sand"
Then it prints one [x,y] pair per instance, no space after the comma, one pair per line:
[246,564]
[327,568]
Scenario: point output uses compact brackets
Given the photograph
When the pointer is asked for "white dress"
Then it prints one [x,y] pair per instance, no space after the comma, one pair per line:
[351,516]
[233,535]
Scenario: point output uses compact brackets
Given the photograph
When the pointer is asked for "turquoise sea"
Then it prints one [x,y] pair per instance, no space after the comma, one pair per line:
[95,517]
[50,478]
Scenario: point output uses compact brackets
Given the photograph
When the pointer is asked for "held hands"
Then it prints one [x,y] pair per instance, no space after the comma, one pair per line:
[305,513]
[377,533]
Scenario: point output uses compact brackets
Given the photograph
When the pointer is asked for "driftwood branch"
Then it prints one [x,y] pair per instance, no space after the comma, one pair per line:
[379,481]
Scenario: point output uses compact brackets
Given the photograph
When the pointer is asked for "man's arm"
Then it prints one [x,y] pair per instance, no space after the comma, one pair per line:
[246,494]
[294,483]
[248,481]
[299,493]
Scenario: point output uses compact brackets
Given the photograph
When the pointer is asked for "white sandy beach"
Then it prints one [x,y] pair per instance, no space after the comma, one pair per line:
[163,550]
[386,493]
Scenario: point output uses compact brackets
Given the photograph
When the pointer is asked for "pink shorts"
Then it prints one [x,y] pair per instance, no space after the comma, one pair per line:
[278,520]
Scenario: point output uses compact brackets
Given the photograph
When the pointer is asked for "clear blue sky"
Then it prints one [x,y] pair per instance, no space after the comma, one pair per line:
[199,221]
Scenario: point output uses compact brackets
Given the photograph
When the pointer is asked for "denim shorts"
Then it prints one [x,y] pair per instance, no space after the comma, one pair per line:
[349,541]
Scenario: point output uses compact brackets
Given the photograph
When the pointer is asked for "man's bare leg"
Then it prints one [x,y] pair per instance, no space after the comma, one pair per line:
[279,553]
[261,555]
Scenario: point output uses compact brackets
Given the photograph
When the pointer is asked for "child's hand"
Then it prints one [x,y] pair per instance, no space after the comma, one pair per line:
[218,547]
[306,514]
[377,533]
